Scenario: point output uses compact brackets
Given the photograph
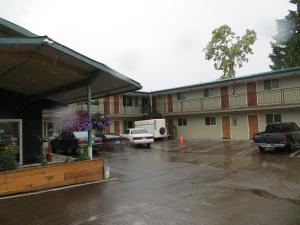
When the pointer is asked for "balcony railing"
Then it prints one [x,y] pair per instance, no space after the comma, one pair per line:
[114,108]
[256,99]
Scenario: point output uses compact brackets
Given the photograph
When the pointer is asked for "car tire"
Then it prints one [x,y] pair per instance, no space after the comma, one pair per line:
[261,149]
[69,151]
[148,145]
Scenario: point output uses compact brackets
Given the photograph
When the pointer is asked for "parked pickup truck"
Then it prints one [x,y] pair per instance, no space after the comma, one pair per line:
[278,135]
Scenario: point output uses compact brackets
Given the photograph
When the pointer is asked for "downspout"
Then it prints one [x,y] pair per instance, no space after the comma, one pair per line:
[150,105]
[89,111]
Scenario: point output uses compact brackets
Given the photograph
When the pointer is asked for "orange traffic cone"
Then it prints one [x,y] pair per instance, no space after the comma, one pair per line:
[181,140]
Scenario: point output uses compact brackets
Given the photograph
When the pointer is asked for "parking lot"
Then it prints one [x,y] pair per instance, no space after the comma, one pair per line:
[203,182]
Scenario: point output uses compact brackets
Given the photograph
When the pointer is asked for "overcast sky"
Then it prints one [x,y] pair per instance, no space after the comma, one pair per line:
[158,43]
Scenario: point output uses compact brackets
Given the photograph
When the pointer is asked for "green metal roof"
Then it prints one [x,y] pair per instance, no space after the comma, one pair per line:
[111,81]
[18,29]
[251,76]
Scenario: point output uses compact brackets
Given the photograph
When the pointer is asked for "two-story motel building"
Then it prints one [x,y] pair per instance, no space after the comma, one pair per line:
[231,109]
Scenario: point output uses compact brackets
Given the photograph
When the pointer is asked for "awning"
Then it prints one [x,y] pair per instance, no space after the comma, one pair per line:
[42,68]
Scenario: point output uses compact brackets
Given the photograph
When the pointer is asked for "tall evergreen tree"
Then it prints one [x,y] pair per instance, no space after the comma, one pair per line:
[286,42]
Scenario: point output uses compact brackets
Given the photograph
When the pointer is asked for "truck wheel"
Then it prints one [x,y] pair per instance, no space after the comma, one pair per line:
[261,149]
[290,148]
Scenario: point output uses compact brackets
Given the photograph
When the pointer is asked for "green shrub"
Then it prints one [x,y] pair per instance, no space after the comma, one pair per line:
[44,162]
[83,154]
[8,154]
[68,159]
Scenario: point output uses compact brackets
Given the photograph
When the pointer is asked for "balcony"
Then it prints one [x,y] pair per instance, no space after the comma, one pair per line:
[278,97]
[111,108]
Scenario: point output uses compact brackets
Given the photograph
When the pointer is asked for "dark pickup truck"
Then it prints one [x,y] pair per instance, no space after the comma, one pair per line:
[278,135]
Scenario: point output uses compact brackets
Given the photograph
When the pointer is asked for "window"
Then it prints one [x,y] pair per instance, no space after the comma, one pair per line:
[271,84]
[95,102]
[234,121]
[209,92]
[210,121]
[124,100]
[236,89]
[127,124]
[182,122]
[136,101]
[273,118]
[180,96]
[127,100]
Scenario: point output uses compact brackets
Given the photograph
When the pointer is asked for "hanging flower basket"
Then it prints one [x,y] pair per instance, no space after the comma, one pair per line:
[81,122]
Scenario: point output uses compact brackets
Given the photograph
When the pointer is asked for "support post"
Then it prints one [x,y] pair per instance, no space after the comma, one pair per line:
[89,110]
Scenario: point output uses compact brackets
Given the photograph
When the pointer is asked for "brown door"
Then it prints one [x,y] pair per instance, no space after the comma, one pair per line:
[226,127]
[171,129]
[117,126]
[251,94]
[107,129]
[170,103]
[253,125]
[224,97]
[116,104]
[153,103]
[106,105]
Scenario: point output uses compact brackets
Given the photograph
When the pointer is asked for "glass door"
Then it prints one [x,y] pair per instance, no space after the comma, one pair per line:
[11,133]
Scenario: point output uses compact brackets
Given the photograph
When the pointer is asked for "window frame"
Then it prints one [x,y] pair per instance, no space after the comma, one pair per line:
[209,92]
[210,121]
[181,122]
[273,118]
[180,96]
[270,84]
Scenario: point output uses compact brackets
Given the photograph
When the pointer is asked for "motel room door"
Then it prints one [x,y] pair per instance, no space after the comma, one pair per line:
[11,133]
[253,125]
[226,127]
[170,103]
[251,94]
[224,97]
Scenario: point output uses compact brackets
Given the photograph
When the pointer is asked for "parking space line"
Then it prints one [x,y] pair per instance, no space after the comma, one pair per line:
[247,151]
[294,154]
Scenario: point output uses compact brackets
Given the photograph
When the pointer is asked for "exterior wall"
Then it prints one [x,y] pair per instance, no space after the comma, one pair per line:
[17,106]
[287,93]
[286,82]
[287,115]
[196,128]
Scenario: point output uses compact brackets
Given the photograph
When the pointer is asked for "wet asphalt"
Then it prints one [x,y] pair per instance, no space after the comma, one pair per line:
[204,182]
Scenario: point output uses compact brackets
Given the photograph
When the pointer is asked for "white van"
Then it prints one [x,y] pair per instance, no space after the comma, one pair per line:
[156,127]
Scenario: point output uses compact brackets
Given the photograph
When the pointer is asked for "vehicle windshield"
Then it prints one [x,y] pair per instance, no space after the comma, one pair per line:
[139,131]
[82,134]
[281,128]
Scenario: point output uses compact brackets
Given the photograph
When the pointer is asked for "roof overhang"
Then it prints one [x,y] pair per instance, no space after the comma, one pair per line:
[289,72]
[42,68]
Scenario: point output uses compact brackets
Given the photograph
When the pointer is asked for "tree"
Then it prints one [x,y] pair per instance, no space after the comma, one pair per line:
[228,50]
[286,42]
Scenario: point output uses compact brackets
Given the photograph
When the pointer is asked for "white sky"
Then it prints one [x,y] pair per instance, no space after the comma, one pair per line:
[158,43]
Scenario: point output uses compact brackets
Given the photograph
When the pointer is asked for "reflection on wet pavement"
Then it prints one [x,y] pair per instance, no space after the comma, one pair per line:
[203,182]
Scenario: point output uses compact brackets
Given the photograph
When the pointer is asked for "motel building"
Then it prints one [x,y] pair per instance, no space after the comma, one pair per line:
[233,108]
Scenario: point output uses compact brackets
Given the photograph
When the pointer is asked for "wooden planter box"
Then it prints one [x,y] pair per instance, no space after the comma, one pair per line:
[54,175]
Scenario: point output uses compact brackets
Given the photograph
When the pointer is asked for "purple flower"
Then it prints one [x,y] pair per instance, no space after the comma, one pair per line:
[81,121]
